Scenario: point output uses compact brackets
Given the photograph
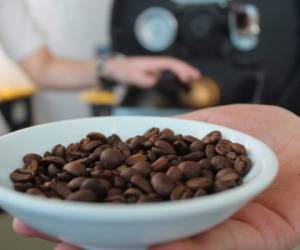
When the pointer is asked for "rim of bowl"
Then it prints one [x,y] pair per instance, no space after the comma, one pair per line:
[148,211]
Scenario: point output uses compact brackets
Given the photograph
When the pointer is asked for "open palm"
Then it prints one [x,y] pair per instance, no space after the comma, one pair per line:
[272,220]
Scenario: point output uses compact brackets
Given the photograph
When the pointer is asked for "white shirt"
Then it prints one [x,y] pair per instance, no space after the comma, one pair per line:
[69,28]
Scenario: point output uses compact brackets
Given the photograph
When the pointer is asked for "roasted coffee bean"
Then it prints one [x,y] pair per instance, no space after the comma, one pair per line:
[21,175]
[224,172]
[157,166]
[35,191]
[181,193]
[141,183]
[84,195]
[207,173]
[161,164]
[59,151]
[100,149]
[189,139]
[200,192]
[224,147]
[195,156]
[148,198]
[75,183]
[143,167]
[204,163]
[23,186]
[175,174]
[128,173]
[167,135]
[242,165]
[197,146]
[219,162]
[92,145]
[227,181]
[151,132]
[187,194]
[45,177]
[46,154]
[114,191]
[61,188]
[210,151]
[151,156]
[177,192]
[32,167]
[162,184]
[121,168]
[87,161]
[181,147]
[114,138]
[46,186]
[133,159]
[104,174]
[115,199]
[231,155]
[53,170]
[64,176]
[111,158]
[119,182]
[238,148]
[59,161]
[199,182]
[96,136]
[83,143]
[75,168]
[100,187]
[30,157]
[124,149]
[137,143]
[163,148]
[212,138]
[133,192]
[73,147]
[190,169]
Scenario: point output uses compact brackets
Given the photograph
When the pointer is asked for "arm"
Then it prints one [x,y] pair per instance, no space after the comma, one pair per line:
[53,72]
[57,73]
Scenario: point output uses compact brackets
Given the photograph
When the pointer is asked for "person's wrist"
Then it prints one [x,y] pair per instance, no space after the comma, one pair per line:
[108,68]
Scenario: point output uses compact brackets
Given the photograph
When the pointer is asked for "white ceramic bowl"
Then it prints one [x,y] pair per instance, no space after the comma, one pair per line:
[125,227]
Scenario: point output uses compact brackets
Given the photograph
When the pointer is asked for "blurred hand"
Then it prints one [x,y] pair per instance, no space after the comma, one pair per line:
[144,71]
[272,220]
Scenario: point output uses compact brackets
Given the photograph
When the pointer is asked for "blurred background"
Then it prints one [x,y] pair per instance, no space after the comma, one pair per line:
[247,52]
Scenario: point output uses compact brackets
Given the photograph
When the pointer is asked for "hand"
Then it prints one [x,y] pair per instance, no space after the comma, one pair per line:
[272,220]
[144,71]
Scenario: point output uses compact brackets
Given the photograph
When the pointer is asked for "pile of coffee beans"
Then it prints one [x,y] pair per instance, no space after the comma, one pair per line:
[156,166]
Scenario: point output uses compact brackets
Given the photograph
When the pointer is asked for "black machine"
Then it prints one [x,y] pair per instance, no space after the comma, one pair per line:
[251,49]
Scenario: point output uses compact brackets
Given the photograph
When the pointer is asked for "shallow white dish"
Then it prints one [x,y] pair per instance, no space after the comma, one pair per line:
[125,227]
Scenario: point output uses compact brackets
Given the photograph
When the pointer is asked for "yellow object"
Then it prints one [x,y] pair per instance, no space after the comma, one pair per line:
[98,97]
[204,92]
[8,93]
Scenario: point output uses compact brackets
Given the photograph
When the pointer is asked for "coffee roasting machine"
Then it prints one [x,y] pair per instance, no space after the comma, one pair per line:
[249,49]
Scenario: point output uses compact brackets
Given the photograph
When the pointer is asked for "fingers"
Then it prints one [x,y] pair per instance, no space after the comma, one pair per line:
[142,79]
[184,71]
[22,229]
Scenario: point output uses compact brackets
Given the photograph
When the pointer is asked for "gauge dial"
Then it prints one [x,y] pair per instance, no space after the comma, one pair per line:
[156,29]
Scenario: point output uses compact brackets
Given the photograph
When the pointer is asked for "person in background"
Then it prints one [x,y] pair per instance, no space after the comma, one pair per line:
[25,43]
[272,220]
